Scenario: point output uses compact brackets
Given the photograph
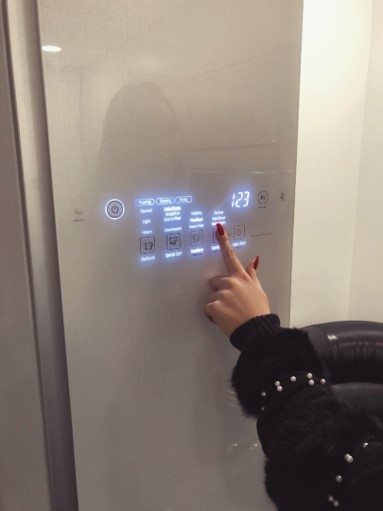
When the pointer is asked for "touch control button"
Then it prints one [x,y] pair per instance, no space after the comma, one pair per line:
[263,197]
[147,245]
[114,209]
[173,241]
[239,232]
[196,238]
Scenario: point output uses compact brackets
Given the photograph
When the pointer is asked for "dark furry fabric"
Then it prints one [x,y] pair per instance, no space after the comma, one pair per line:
[304,430]
[308,452]
[264,361]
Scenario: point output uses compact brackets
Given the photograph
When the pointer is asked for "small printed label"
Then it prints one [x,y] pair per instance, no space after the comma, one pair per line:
[145,202]
[164,201]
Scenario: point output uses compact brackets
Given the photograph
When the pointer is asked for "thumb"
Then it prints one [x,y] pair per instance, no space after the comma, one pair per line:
[252,267]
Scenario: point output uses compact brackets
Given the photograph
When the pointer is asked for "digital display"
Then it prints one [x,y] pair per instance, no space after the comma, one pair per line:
[240,199]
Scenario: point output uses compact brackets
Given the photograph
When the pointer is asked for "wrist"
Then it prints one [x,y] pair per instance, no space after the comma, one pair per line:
[261,326]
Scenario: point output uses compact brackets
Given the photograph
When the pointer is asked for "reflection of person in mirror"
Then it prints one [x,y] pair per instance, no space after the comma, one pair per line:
[321,453]
[142,144]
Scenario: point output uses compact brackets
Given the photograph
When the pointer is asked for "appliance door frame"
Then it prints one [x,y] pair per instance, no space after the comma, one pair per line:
[24,63]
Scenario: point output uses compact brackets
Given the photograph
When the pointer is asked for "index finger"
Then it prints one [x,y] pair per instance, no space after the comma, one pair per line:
[232,263]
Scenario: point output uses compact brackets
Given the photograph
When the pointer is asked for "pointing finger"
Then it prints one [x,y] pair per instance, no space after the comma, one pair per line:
[232,263]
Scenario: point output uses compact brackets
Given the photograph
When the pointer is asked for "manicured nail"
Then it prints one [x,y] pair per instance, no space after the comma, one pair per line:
[256,262]
[220,229]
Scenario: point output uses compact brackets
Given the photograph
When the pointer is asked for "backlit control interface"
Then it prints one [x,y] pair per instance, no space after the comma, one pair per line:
[168,227]
[171,227]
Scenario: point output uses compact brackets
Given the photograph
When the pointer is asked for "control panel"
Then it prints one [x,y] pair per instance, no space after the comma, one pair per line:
[170,226]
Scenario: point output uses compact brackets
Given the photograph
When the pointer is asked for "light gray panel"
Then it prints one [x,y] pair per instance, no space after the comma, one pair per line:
[151,100]
[41,248]
[24,482]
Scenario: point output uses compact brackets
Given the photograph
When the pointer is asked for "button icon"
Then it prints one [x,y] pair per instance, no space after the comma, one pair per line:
[188,199]
[263,197]
[114,209]
[196,238]
[239,232]
[173,241]
[144,202]
[164,201]
[147,245]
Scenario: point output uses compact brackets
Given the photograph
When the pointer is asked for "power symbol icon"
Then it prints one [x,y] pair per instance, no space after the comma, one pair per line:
[114,209]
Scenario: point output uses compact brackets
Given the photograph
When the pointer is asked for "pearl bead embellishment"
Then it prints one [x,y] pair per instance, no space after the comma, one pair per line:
[310,381]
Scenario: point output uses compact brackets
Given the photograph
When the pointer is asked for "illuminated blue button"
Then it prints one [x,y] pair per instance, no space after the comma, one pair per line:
[114,209]
[145,202]
[187,199]
[165,201]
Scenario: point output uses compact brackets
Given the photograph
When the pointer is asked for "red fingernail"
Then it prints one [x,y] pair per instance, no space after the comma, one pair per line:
[256,262]
[220,229]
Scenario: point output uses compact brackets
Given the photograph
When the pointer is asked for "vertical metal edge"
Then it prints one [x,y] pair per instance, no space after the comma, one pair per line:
[25,67]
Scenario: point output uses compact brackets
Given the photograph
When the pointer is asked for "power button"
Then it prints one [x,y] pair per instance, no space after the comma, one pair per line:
[114,209]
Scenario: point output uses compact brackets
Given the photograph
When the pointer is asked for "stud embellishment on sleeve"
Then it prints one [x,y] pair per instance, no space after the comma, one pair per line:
[333,500]
[289,384]
[339,479]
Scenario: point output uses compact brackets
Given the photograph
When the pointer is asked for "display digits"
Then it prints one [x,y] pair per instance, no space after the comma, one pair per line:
[240,199]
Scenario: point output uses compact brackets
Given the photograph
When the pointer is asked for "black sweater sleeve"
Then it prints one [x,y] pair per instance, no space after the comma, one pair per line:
[308,436]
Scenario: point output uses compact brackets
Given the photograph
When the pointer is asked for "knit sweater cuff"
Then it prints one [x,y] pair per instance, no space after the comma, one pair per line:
[261,327]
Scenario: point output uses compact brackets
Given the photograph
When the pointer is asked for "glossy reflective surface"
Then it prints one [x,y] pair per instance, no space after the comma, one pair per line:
[157,100]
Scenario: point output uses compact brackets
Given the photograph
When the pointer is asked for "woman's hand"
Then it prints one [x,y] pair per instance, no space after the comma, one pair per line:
[238,296]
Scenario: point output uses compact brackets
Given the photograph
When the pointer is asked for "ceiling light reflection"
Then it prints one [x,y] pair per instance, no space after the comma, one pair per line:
[51,49]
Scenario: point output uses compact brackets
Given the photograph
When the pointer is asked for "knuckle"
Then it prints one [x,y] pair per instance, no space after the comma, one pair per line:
[212,282]
[230,283]
[223,293]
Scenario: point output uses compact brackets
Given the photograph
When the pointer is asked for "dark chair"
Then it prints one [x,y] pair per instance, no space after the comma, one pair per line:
[353,354]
